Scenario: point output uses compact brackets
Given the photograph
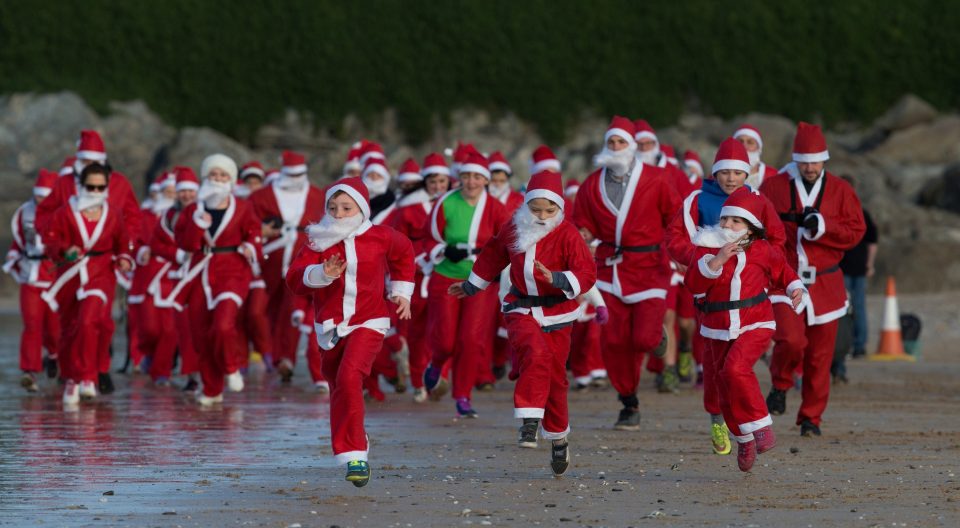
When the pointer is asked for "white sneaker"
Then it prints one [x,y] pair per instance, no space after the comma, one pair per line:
[71,393]
[419,395]
[235,381]
[88,390]
[322,387]
[207,401]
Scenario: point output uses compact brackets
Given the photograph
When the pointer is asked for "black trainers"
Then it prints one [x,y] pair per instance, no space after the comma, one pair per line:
[105,383]
[191,385]
[499,372]
[559,457]
[777,402]
[808,429]
[50,367]
[859,353]
[629,419]
[528,433]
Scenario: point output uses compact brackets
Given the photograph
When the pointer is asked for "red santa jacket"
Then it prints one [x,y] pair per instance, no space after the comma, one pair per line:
[563,250]
[631,261]
[742,279]
[296,210]
[217,262]
[100,249]
[357,298]
[489,217]
[173,262]
[816,256]
[26,261]
[119,195]
[146,268]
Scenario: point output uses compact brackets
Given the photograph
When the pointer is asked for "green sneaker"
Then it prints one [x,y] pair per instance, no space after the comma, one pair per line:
[358,472]
[720,436]
[670,382]
[685,366]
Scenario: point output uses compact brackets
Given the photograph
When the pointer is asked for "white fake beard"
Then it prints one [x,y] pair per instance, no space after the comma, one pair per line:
[376,188]
[716,237]
[292,183]
[616,161]
[213,193]
[329,231]
[161,204]
[242,191]
[87,200]
[649,157]
[498,191]
[754,158]
[531,229]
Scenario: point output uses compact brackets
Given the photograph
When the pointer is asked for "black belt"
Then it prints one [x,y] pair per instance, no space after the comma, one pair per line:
[831,269]
[220,249]
[731,305]
[632,249]
[94,253]
[36,257]
[530,301]
[796,218]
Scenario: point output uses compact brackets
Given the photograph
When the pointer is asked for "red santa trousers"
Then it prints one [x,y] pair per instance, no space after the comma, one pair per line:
[414,331]
[461,329]
[216,339]
[711,386]
[744,408]
[189,361]
[89,329]
[345,366]
[797,344]
[586,361]
[136,315]
[631,333]
[541,390]
[41,328]
[157,338]
[258,324]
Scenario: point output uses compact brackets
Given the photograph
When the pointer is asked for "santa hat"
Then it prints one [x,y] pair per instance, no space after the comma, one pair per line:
[219,161]
[186,179]
[67,166]
[460,155]
[371,150]
[499,163]
[356,189]
[749,131]
[692,159]
[376,165]
[644,130]
[621,127]
[90,147]
[475,162]
[270,176]
[543,159]
[409,172]
[434,163]
[46,179]
[731,155]
[809,146]
[545,184]
[571,188]
[292,163]
[353,156]
[669,153]
[251,168]
[744,204]
[163,179]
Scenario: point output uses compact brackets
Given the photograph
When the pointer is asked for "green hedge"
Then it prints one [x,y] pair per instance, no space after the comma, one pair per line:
[235,65]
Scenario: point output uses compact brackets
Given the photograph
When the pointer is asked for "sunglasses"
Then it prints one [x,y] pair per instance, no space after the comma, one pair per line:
[95,188]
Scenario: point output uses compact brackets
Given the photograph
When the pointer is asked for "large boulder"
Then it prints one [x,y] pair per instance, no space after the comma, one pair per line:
[910,110]
[192,145]
[133,135]
[936,142]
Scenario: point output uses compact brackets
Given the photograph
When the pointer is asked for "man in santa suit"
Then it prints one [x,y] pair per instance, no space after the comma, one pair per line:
[34,272]
[651,152]
[823,218]
[286,207]
[753,142]
[251,179]
[627,204]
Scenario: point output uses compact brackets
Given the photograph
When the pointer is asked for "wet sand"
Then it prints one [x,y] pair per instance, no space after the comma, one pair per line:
[145,456]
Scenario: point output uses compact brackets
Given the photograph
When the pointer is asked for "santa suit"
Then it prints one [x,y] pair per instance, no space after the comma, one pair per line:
[461,331]
[737,322]
[539,332]
[34,272]
[809,338]
[139,306]
[511,200]
[351,317]
[219,278]
[633,271]
[119,195]
[586,359]
[83,292]
[175,264]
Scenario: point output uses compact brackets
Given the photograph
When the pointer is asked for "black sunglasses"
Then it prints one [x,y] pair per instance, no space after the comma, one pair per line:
[93,188]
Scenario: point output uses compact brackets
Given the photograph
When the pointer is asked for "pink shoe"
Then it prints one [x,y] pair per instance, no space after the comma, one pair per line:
[746,455]
[765,439]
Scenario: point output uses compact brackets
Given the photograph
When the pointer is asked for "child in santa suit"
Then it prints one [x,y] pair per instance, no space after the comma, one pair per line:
[342,269]
[89,241]
[550,266]
[732,268]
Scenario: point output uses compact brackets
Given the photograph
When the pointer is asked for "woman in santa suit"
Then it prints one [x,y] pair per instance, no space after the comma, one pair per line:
[88,241]
[550,266]
[342,269]
[223,235]
[461,222]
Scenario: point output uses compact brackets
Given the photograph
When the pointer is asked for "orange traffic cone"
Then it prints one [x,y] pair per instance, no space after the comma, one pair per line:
[891,341]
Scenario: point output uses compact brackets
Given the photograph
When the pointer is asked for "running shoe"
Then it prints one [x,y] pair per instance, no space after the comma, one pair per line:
[777,402]
[528,433]
[629,419]
[720,437]
[746,455]
[685,366]
[358,473]
[464,409]
[808,428]
[765,439]
[559,457]
[29,382]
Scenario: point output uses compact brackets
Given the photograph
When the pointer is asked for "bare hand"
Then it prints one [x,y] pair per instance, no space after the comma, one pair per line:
[870,271]
[334,266]
[207,219]
[124,265]
[681,269]
[544,272]
[248,252]
[456,290]
[403,306]
[727,251]
[796,297]
[586,234]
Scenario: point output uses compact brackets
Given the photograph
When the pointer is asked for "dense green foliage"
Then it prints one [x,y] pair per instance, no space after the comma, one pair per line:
[234,65]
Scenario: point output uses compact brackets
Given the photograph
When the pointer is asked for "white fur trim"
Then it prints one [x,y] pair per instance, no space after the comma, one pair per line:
[694,163]
[405,177]
[355,194]
[474,167]
[730,164]
[811,157]
[821,229]
[745,439]
[543,193]
[572,279]
[379,169]
[198,219]
[646,134]
[704,268]
[42,192]
[547,435]
[792,287]
[750,427]
[749,133]
[475,280]
[291,170]
[543,165]
[91,155]
[527,412]
[500,166]
[401,289]
[350,456]
[619,132]
[729,210]
[730,335]
[435,169]
[315,277]
[187,186]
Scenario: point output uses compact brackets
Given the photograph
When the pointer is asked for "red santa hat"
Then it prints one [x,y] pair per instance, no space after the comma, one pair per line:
[571,188]
[270,176]
[731,155]
[644,130]
[692,159]
[376,165]
[292,163]
[545,184]
[476,162]
[809,146]
[46,179]
[499,163]
[250,169]
[186,179]
[219,161]
[90,147]
[434,163]
[621,127]
[670,153]
[460,155]
[369,151]
[749,131]
[163,179]
[543,159]
[353,156]
[356,189]
[67,166]
[409,172]
[745,204]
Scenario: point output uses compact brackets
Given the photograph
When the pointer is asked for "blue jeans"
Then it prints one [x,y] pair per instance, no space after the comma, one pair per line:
[857,287]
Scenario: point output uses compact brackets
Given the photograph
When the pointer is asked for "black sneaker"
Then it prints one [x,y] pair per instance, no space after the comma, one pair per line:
[50,367]
[777,402]
[105,383]
[499,372]
[191,385]
[859,353]
[629,419]
[560,457]
[528,433]
[808,429]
